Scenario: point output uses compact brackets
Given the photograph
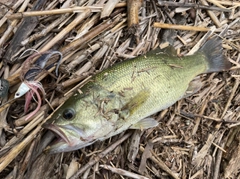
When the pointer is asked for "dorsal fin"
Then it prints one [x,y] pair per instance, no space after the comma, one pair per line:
[169,51]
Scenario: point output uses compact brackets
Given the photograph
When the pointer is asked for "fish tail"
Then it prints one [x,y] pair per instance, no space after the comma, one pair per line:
[212,50]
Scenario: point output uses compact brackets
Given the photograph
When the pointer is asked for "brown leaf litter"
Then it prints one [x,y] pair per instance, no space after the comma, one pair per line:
[198,137]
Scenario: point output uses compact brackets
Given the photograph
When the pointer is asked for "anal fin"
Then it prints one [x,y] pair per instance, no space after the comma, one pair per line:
[193,87]
[145,124]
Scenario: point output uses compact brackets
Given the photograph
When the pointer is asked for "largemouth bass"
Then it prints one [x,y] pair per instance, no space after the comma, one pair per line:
[124,96]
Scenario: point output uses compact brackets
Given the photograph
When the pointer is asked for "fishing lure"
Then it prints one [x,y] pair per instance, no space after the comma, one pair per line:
[29,85]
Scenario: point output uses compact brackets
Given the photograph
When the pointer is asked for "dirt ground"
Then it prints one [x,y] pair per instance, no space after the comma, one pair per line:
[197,137]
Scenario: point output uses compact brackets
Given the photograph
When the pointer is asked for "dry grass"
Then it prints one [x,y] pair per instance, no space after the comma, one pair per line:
[198,137]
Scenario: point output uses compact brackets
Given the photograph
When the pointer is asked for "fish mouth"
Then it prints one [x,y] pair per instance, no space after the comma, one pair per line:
[68,138]
[57,130]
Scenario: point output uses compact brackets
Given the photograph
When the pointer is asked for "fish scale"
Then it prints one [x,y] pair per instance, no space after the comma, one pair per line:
[160,80]
[125,95]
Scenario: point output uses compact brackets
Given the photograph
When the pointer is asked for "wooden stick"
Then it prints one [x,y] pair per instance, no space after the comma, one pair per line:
[66,30]
[123,172]
[108,8]
[16,150]
[160,163]
[13,25]
[90,35]
[60,11]
[54,12]
[179,27]
[228,3]
[101,155]
[216,3]
[192,5]
[132,12]
[10,11]
[211,14]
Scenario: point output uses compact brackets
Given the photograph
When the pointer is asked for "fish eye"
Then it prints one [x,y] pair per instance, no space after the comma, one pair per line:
[68,114]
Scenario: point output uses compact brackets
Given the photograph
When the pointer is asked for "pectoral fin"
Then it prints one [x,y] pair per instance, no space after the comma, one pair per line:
[145,124]
[193,87]
[136,101]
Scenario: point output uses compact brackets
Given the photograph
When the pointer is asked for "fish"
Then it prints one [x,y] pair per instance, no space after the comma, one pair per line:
[125,95]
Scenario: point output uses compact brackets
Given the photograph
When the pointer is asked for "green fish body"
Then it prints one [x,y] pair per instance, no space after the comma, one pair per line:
[125,95]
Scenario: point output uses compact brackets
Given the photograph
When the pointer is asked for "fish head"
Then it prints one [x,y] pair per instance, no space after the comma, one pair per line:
[85,118]
[68,124]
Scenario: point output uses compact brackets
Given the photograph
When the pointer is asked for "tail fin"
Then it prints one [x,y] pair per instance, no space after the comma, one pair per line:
[212,49]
